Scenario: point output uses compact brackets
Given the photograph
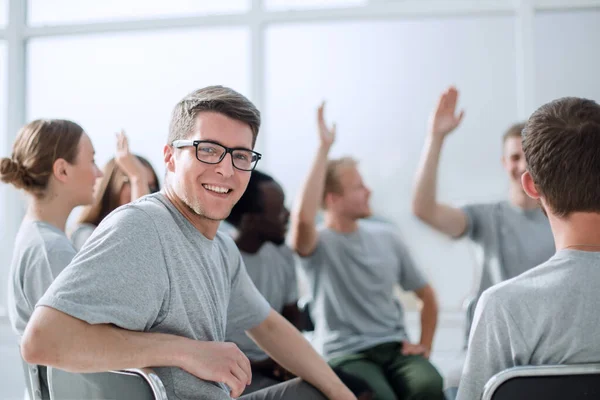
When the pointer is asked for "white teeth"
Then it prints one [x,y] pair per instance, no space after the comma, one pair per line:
[217,189]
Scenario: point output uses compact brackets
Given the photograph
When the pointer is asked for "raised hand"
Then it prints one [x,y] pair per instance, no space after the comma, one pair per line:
[219,362]
[444,119]
[129,163]
[326,134]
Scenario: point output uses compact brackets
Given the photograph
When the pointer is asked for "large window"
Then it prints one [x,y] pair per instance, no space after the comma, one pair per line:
[566,59]
[381,80]
[53,12]
[131,81]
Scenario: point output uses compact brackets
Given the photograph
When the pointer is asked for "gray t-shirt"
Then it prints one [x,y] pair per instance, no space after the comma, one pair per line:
[509,240]
[81,234]
[548,315]
[40,253]
[273,271]
[352,279]
[146,268]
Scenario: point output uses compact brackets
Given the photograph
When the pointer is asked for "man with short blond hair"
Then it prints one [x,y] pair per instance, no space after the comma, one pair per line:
[353,267]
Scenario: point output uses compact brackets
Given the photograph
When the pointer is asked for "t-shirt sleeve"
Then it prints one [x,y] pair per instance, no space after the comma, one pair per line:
[317,258]
[247,307]
[477,215]
[410,277]
[119,277]
[37,278]
[495,344]
[81,234]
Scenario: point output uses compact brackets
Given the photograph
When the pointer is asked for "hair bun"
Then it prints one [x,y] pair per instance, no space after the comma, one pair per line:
[13,172]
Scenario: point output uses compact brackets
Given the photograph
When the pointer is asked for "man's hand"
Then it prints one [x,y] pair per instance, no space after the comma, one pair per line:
[443,119]
[326,134]
[219,362]
[410,349]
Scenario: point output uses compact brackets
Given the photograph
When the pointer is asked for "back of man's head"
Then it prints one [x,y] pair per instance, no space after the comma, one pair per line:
[561,142]
[218,99]
[251,201]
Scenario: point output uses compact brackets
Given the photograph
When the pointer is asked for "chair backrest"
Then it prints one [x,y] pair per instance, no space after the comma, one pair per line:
[549,382]
[34,381]
[130,384]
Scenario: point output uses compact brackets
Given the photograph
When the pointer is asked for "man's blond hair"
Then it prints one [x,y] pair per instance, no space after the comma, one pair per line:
[332,175]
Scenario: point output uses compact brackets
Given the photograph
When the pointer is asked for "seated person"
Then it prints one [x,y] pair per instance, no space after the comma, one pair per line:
[353,268]
[549,315]
[261,219]
[127,177]
[155,285]
[53,162]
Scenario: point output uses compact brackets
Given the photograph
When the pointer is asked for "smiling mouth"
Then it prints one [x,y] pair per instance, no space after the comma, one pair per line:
[216,189]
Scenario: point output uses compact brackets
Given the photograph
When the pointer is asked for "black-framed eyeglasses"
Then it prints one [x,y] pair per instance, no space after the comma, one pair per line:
[210,152]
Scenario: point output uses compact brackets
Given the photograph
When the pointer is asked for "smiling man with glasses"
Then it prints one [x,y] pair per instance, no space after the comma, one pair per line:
[156,285]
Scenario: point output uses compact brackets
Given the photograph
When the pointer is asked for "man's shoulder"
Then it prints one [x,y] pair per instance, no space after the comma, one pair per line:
[525,287]
[141,211]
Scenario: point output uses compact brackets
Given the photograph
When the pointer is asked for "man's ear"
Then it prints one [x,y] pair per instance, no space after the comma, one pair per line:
[529,186]
[169,158]
[60,170]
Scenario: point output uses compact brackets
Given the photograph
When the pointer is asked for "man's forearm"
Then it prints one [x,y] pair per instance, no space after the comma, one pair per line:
[297,355]
[429,315]
[59,340]
[425,194]
[314,185]
[303,232]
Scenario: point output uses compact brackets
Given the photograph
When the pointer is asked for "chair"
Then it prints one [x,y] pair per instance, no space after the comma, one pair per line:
[469,309]
[130,384]
[36,389]
[549,382]
[306,322]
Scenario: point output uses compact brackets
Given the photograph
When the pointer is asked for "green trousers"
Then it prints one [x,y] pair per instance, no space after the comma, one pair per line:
[392,375]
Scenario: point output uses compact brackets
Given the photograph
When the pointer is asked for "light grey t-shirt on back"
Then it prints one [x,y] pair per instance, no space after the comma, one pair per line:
[546,316]
[509,240]
[81,234]
[40,253]
[352,279]
[146,268]
[273,271]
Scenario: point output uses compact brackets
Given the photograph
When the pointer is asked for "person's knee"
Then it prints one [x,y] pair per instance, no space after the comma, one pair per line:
[429,386]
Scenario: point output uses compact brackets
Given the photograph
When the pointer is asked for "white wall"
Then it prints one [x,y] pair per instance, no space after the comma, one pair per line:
[131,81]
[567,56]
[381,80]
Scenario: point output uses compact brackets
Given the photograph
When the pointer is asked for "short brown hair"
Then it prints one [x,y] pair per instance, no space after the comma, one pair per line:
[38,145]
[561,142]
[514,131]
[332,175]
[219,99]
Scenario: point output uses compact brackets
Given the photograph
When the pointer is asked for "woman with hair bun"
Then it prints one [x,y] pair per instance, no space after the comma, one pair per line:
[53,162]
